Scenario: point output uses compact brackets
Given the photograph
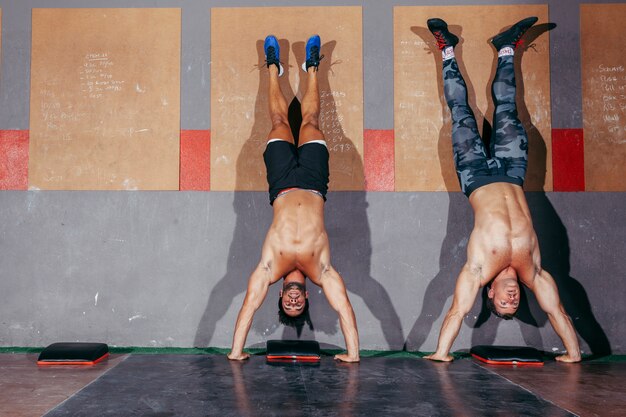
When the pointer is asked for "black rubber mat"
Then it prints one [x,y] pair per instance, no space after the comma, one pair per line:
[198,385]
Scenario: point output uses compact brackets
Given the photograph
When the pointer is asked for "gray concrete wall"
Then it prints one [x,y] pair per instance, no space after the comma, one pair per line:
[169,268]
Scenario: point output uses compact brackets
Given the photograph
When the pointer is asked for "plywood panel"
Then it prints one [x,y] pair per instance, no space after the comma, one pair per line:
[603,57]
[421,116]
[105,99]
[239,117]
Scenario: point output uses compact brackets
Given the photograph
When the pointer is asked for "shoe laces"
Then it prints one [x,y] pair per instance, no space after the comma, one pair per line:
[441,39]
[315,57]
[517,38]
[270,57]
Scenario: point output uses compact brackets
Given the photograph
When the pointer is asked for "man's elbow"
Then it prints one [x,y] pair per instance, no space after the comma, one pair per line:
[460,308]
[250,305]
[344,308]
[555,311]
[457,312]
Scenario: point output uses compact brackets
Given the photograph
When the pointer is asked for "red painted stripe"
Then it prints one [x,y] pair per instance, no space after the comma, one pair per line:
[378,160]
[13,159]
[568,160]
[195,160]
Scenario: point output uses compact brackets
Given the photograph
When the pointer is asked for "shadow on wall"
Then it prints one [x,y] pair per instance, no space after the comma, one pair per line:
[459,226]
[252,219]
[551,232]
[346,220]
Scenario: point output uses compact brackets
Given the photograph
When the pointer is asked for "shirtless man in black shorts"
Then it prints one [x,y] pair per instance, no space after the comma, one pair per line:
[503,246]
[296,246]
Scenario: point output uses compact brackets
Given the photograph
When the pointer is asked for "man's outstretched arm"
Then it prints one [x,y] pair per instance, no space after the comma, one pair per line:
[467,286]
[547,295]
[335,292]
[258,284]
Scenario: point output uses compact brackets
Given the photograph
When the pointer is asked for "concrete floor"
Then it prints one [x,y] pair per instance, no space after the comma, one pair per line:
[203,385]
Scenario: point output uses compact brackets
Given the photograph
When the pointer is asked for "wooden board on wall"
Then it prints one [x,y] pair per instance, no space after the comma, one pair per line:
[239,79]
[603,58]
[422,124]
[105,99]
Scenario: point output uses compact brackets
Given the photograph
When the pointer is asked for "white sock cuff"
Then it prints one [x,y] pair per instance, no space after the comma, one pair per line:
[447,53]
[506,51]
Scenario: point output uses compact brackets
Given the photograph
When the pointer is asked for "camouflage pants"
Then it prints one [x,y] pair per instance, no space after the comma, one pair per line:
[508,150]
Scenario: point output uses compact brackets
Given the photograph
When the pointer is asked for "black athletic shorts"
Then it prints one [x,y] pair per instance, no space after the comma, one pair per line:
[290,167]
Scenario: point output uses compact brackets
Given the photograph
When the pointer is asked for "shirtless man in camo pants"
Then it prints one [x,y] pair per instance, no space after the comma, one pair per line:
[503,246]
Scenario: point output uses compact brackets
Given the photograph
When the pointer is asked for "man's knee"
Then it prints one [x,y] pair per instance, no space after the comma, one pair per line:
[311,120]
[279,121]
[309,129]
[309,133]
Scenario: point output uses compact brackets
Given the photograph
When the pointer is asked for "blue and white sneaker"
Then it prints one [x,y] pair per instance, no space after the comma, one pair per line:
[313,56]
[272,53]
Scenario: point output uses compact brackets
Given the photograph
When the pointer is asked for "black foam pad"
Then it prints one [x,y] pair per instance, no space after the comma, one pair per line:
[508,355]
[293,350]
[73,353]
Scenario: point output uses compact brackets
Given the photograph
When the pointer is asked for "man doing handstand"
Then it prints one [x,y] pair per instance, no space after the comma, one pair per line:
[296,245]
[503,245]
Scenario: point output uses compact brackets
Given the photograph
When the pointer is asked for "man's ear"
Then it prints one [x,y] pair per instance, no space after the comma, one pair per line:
[280,293]
[490,293]
[306,294]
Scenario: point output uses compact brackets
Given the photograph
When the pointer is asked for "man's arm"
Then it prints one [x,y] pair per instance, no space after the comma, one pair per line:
[547,295]
[335,292]
[467,286]
[258,284]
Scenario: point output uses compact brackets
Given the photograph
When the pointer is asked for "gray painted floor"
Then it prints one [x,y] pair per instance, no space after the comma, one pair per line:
[381,385]
[168,385]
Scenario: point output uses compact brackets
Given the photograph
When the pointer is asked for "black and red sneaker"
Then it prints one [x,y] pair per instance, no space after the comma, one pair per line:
[512,37]
[439,29]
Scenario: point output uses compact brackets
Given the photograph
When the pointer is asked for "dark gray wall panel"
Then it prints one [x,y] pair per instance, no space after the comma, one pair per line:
[15,65]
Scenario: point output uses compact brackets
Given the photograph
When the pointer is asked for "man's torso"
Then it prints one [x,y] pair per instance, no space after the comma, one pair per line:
[297,238]
[503,234]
